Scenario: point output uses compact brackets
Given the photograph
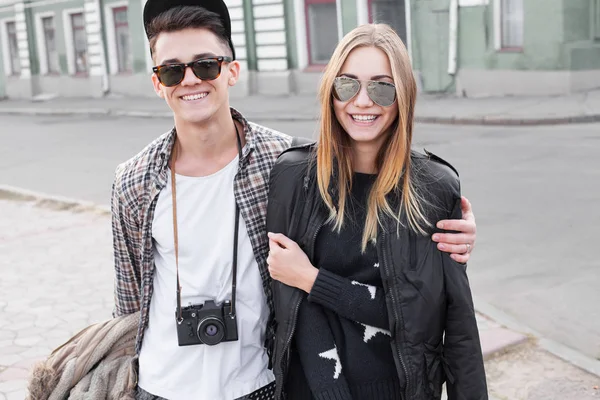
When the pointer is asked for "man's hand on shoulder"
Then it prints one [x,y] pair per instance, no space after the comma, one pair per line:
[459,244]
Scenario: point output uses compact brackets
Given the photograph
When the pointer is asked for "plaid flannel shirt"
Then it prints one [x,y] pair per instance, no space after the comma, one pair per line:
[136,187]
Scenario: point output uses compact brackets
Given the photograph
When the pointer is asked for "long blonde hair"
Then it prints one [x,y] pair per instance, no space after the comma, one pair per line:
[393,160]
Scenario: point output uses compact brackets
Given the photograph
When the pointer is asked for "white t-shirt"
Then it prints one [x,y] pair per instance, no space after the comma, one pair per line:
[205,223]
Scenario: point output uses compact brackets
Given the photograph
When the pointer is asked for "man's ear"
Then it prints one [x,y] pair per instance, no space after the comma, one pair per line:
[158,87]
[234,68]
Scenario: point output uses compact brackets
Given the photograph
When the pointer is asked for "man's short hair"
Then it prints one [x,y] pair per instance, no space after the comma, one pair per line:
[185,17]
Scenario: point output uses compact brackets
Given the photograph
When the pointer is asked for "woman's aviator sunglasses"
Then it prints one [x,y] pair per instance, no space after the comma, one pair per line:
[206,69]
[382,93]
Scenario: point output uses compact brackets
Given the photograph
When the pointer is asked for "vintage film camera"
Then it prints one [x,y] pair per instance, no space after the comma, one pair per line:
[207,324]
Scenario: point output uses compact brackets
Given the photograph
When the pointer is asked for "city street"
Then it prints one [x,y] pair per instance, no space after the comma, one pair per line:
[508,92]
[535,193]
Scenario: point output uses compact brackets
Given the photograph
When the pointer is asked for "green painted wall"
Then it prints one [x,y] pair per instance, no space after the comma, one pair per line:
[430,25]
[2,72]
[34,62]
[582,51]
[135,26]
[557,36]
[290,34]
[349,15]
[137,32]
[2,75]
[59,24]
[577,20]
[543,41]
[250,32]
[476,36]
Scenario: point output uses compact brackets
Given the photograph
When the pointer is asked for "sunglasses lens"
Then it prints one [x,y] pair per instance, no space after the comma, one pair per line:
[207,70]
[345,88]
[382,93]
[171,75]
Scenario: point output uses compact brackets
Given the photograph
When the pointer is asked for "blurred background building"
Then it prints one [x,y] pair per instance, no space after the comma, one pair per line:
[91,48]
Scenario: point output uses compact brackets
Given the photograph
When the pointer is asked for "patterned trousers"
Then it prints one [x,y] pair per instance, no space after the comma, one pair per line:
[264,393]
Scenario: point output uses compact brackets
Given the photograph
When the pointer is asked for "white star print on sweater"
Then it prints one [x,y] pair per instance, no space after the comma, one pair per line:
[371,331]
[372,289]
[333,355]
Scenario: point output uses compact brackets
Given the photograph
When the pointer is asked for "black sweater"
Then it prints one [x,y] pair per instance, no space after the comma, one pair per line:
[342,336]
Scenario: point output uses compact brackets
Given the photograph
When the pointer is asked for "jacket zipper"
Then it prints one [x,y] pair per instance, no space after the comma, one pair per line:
[287,346]
[398,318]
[297,307]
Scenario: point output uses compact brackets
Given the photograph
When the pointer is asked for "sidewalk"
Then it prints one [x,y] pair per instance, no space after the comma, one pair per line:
[70,254]
[66,246]
[443,109]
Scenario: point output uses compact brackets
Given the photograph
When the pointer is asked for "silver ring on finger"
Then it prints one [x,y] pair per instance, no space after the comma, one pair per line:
[468,248]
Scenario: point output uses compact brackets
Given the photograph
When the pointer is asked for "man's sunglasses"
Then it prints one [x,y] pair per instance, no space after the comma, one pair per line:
[206,69]
[382,93]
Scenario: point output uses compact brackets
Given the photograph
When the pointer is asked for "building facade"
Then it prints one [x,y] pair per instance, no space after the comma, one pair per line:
[507,47]
[90,48]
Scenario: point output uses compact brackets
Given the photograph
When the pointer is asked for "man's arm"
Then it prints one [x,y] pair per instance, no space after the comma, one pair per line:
[459,244]
[127,270]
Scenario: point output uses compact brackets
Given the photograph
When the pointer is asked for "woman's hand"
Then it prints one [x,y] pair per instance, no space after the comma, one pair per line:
[289,264]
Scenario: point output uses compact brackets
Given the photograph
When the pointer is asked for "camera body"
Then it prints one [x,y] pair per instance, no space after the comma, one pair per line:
[206,323]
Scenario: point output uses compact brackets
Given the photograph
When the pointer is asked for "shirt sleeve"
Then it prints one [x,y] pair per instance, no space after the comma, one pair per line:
[127,269]
[350,299]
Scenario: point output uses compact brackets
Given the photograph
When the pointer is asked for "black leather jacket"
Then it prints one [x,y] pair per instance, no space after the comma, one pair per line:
[431,315]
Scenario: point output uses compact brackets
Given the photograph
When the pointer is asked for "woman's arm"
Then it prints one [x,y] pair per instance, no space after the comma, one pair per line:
[353,300]
[350,299]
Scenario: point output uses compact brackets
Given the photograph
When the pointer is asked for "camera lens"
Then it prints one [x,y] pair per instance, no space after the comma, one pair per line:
[211,331]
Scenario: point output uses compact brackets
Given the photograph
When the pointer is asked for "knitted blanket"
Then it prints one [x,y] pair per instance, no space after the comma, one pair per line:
[96,364]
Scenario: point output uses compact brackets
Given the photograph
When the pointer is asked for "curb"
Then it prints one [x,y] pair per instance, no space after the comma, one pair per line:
[571,356]
[53,111]
[136,114]
[497,341]
[500,121]
[486,120]
[44,200]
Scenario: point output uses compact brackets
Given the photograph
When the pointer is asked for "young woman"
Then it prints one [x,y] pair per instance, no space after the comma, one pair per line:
[366,305]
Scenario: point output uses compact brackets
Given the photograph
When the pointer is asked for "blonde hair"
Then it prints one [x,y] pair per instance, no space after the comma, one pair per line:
[393,161]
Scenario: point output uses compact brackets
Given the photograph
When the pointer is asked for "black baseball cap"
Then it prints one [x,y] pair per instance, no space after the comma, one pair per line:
[153,8]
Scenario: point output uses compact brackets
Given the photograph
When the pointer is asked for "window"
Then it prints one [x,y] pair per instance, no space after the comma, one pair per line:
[50,45]
[124,55]
[321,19]
[390,12]
[79,43]
[511,24]
[13,48]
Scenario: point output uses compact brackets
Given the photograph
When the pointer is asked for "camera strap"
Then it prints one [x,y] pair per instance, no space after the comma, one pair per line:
[176,236]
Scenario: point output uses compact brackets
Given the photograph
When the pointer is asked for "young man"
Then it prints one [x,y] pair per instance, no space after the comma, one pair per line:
[178,244]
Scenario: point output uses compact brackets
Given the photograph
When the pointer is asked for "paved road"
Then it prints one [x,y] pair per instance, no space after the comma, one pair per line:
[535,191]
